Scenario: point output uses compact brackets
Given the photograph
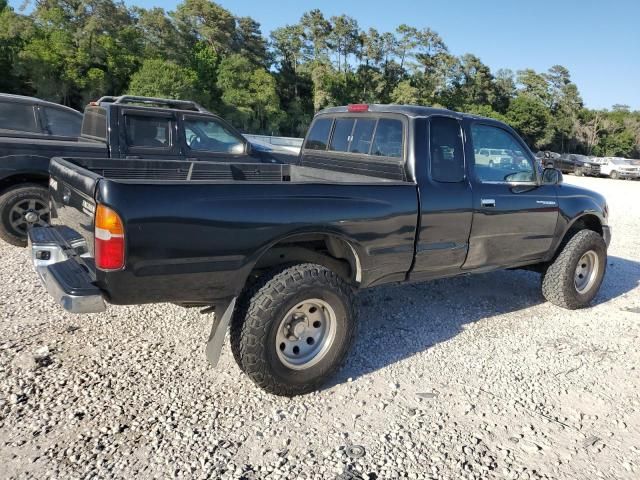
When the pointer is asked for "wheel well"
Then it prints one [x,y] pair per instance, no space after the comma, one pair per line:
[14,180]
[330,251]
[586,222]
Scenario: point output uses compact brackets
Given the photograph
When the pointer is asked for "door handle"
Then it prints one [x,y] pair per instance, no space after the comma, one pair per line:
[132,157]
[488,202]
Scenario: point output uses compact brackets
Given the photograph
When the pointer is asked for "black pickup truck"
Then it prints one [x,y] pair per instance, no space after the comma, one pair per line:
[122,128]
[380,194]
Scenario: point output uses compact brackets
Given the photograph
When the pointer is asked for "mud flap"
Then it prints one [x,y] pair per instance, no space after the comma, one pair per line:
[224,311]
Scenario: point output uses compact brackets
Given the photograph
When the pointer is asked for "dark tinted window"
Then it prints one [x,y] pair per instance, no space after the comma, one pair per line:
[18,116]
[447,158]
[319,134]
[147,131]
[507,162]
[362,134]
[61,122]
[94,122]
[341,134]
[211,136]
[388,138]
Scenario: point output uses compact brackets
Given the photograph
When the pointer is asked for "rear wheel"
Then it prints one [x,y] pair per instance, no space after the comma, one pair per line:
[292,330]
[22,207]
[614,175]
[574,278]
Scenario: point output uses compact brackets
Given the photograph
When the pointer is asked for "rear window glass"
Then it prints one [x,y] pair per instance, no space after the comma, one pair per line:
[94,123]
[150,132]
[62,122]
[318,136]
[341,134]
[19,117]
[362,135]
[388,138]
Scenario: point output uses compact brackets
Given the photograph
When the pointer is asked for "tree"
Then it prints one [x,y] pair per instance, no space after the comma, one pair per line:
[249,94]
[250,43]
[530,117]
[206,21]
[316,31]
[344,36]
[164,79]
[405,94]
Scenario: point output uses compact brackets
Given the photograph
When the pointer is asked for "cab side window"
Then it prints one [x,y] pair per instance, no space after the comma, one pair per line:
[18,116]
[150,132]
[211,136]
[506,162]
[447,151]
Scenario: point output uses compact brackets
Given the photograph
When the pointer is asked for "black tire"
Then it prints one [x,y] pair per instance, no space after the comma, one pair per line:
[258,316]
[578,172]
[559,282]
[614,175]
[15,197]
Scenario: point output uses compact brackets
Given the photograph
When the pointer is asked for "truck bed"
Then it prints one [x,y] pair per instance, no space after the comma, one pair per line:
[171,171]
[203,225]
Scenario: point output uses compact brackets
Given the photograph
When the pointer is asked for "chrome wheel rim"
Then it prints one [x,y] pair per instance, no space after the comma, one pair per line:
[306,334]
[586,272]
[29,212]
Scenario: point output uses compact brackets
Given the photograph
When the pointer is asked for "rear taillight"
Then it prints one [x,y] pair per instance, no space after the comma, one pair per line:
[109,239]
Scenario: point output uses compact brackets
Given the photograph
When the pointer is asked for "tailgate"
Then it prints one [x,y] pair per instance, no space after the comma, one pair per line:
[72,189]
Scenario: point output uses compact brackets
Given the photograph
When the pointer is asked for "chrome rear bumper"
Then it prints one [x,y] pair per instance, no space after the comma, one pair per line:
[59,258]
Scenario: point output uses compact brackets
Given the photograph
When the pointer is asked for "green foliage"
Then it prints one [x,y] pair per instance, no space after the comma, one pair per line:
[75,51]
[164,79]
[530,117]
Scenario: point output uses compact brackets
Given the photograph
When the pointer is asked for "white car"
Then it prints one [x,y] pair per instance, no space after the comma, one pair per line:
[619,168]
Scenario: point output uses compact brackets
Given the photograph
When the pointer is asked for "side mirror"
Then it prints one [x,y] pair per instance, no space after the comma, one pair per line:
[248,148]
[551,176]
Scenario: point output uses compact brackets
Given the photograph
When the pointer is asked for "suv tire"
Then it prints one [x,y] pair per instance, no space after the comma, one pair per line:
[22,207]
[288,314]
[573,279]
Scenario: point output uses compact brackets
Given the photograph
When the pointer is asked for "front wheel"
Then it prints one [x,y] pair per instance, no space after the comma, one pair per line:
[22,207]
[574,278]
[614,175]
[292,330]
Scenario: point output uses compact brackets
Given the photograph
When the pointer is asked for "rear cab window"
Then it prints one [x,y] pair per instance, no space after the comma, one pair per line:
[373,136]
[368,143]
[94,123]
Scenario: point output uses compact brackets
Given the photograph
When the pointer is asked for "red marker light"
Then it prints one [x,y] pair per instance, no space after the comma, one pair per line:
[358,107]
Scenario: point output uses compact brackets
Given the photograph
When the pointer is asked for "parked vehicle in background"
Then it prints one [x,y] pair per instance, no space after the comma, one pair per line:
[616,167]
[30,117]
[280,250]
[125,128]
[578,164]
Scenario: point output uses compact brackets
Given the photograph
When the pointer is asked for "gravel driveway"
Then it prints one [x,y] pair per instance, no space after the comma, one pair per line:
[472,377]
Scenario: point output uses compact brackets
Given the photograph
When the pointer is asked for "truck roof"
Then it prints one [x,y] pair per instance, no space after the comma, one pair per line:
[408,110]
[184,105]
[35,101]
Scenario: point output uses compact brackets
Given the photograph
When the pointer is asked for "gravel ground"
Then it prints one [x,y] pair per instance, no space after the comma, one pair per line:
[472,377]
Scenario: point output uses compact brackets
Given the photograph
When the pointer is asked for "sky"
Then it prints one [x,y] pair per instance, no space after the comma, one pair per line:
[598,41]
